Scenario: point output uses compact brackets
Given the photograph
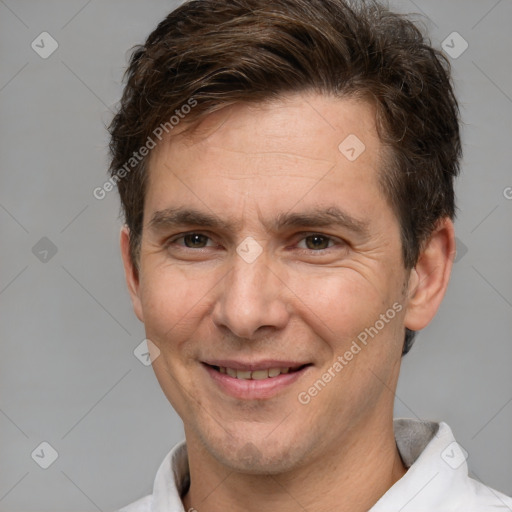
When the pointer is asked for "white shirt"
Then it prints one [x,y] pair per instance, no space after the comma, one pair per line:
[436,480]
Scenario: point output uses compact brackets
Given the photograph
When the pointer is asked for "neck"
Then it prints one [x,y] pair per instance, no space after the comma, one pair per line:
[351,476]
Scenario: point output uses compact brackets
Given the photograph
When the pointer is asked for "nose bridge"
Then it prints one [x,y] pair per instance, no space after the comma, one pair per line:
[251,295]
[251,277]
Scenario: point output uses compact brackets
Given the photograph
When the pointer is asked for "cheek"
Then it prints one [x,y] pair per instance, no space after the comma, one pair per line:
[173,304]
[341,303]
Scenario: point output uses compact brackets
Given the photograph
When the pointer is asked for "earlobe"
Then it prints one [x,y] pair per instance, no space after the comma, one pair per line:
[131,273]
[429,278]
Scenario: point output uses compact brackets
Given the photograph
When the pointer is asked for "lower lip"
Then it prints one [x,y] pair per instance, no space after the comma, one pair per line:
[253,389]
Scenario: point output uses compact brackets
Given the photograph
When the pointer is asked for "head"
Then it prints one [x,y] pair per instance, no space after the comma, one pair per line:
[244,107]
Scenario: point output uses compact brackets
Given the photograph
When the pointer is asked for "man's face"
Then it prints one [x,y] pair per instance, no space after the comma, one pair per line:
[297,293]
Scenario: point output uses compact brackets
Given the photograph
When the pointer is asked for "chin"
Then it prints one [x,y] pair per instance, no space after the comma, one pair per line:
[256,455]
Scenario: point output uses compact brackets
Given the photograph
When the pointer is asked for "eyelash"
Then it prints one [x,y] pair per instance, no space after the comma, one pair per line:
[336,241]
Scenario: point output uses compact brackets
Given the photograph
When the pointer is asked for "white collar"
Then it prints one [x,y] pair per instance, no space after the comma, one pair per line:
[436,479]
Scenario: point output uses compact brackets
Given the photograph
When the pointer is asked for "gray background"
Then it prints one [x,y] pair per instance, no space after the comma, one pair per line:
[68,375]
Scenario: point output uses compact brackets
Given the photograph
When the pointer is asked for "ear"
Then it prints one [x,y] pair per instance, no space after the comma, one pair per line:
[429,278]
[131,273]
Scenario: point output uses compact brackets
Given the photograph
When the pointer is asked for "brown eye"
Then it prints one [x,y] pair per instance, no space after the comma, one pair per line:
[195,241]
[317,242]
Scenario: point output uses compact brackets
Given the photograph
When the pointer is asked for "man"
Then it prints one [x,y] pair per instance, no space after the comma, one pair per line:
[286,172]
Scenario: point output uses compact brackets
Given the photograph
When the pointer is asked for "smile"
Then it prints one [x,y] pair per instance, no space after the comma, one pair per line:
[256,383]
[256,374]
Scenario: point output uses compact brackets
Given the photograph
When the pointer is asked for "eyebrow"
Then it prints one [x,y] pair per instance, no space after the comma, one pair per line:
[331,216]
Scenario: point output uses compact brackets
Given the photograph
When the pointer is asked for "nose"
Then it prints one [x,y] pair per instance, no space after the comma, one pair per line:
[251,299]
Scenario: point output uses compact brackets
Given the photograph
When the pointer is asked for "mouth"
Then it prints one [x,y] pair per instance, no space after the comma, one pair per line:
[261,374]
[254,381]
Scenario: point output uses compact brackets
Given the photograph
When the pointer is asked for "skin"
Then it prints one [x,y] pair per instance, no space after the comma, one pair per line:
[302,299]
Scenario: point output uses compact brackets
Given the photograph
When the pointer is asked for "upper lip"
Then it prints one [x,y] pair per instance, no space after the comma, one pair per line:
[254,366]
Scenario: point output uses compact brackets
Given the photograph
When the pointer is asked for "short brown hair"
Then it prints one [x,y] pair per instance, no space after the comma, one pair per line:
[220,52]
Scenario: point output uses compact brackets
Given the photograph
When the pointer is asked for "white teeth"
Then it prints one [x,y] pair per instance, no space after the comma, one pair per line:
[255,375]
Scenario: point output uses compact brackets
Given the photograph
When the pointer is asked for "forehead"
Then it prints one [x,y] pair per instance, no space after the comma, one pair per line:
[298,148]
[310,125]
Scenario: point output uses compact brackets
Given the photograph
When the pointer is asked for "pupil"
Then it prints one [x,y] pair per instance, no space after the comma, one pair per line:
[317,238]
[195,240]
